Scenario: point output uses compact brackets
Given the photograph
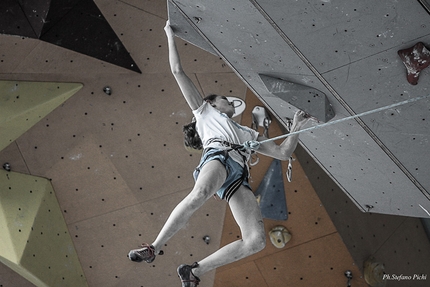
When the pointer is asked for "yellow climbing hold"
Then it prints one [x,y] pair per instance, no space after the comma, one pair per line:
[279,236]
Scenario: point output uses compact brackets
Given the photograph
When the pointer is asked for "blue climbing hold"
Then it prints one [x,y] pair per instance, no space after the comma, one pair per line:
[271,194]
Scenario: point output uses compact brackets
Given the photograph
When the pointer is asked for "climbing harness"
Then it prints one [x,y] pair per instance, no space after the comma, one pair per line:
[237,147]
[232,146]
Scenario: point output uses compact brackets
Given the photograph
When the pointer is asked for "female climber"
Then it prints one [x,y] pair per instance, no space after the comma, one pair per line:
[223,171]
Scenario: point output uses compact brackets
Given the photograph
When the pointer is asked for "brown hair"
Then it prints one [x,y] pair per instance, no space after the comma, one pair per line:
[191,137]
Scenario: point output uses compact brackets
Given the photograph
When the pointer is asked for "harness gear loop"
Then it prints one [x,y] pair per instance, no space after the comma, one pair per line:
[257,159]
[289,172]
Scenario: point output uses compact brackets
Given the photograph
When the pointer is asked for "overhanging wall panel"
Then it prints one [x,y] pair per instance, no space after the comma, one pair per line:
[351,153]
[404,130]
[241,34]
[335,33]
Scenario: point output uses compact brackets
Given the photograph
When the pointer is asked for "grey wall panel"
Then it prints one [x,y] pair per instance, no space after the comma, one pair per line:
[353,160]
[337,32]
[404,130]
[241,33]
[343,50]
[184,30]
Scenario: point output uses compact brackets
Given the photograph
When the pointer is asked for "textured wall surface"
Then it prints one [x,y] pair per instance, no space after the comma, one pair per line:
[118,165]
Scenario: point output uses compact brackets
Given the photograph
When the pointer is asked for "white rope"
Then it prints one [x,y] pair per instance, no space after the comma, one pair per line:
[346,119]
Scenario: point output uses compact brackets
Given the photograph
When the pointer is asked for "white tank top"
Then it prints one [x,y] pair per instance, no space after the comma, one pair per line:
[212,124]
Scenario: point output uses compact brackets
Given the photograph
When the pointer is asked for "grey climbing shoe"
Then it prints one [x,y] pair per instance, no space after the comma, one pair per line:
[146,253]
[187,277]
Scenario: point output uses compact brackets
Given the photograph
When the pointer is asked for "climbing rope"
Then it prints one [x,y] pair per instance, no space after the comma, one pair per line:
[254,145]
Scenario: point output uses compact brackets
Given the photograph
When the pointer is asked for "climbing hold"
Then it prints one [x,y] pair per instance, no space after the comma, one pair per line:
[279,236]
[308,99]
[6,166]
[206,239]
[348,275]
[415,59]
[374,273]
[261,118]
[23,104]
[107,90]
[271,193]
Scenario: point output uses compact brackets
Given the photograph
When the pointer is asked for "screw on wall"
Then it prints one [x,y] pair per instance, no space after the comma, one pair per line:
[348,274]
[107,90]
[206,239]
[369,207]
[6,166]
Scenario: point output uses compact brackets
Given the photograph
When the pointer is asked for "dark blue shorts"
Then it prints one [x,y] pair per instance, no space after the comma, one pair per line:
[236,174]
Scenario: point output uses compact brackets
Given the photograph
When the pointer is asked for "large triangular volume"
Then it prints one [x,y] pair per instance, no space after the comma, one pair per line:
[307,99]
[85,30]
[271,194]
[23,104]
[77,25]
[35,12]
[34,238]
[32,18]
[13,20]
[57,10]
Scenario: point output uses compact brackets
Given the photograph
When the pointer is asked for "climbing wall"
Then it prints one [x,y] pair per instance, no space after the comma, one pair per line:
[398,242]
[330,236]
[118,166]
[304,261]
[348,51]
[23,104]
[117,161]
[34,237]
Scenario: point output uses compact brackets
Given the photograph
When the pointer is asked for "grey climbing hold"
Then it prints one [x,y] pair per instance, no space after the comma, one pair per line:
[307,99]
[271,194]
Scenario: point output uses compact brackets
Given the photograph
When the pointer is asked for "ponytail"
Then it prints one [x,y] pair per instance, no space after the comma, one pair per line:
[191,137]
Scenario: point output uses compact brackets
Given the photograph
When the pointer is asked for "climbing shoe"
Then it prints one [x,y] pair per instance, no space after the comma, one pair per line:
[187,277]
[145,253]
